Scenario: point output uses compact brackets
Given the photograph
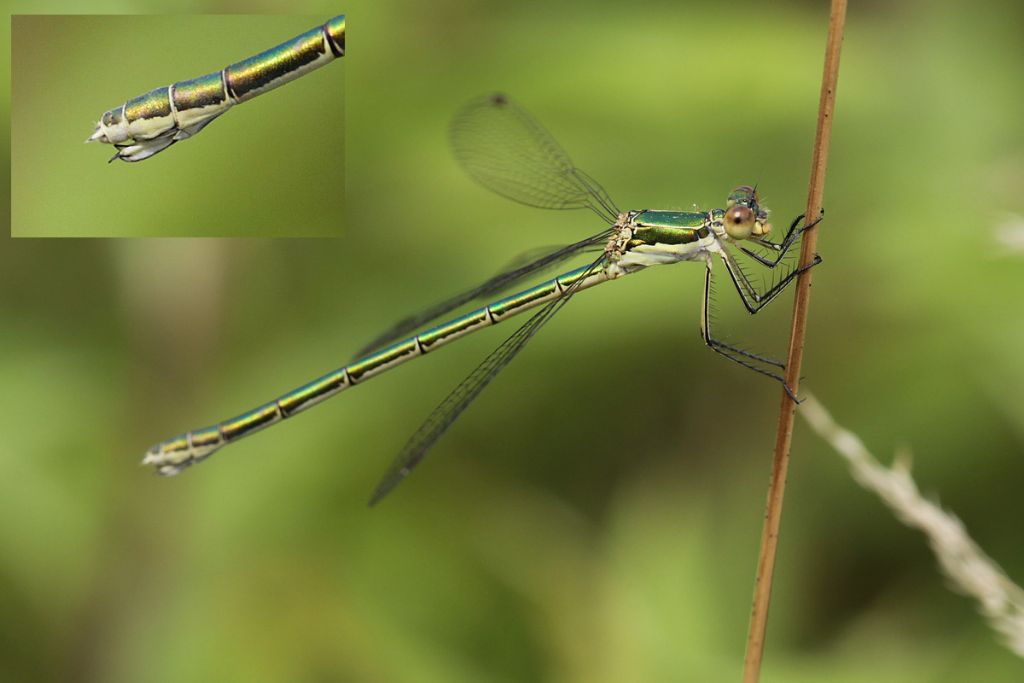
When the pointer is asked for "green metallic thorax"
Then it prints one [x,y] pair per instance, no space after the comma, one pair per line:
[668,227]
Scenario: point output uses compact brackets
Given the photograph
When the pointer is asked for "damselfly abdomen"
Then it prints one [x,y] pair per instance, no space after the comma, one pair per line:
[150,123]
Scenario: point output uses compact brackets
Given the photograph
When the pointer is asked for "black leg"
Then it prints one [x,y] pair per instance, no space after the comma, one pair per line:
[733,353]
[780,248]
[753,299]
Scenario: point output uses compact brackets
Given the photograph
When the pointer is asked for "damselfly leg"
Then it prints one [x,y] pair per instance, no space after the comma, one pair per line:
[781,248]
[754,300]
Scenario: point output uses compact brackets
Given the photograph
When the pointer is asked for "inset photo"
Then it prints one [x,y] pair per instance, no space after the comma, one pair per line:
[135,87]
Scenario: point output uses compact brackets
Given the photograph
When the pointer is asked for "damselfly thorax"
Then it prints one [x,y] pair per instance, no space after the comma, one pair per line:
[651,237]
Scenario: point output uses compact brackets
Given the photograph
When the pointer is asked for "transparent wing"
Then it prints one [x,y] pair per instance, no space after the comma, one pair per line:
[490,288]
[504,149]
[449,410]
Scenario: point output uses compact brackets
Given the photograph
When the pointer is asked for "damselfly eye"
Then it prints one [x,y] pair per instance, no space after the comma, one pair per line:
[739,222]
[744,194]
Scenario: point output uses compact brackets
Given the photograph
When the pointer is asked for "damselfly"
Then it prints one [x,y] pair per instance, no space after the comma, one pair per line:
[150,123]
[507,151]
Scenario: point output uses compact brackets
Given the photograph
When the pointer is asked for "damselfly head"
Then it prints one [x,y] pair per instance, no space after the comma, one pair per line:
[744,217]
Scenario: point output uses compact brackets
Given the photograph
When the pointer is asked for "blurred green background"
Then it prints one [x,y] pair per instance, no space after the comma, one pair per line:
[595,517]
[265,171]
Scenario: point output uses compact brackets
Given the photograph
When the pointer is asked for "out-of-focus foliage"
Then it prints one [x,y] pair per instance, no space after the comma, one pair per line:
[595,517]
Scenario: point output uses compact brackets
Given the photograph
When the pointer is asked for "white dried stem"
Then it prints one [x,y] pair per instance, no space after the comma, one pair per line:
[971,571]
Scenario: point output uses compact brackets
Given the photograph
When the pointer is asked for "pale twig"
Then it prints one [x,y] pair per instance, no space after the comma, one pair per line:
[971,571]
[784,434]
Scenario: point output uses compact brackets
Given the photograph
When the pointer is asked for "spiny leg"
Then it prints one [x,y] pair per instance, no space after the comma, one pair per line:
[753,299]
[783,247]
[734,349]
[780,247]
[733,353]
[756,301]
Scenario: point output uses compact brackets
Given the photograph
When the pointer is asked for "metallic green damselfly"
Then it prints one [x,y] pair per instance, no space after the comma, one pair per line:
[507,151]
[148,124]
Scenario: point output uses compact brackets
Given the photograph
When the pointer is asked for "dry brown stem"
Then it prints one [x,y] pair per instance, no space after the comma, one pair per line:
[784,437]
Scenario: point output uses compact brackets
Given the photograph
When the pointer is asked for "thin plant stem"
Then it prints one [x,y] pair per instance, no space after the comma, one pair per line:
[784,436]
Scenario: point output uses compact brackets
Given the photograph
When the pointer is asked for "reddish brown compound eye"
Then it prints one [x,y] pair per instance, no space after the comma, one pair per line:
[739,222]
[740,214]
